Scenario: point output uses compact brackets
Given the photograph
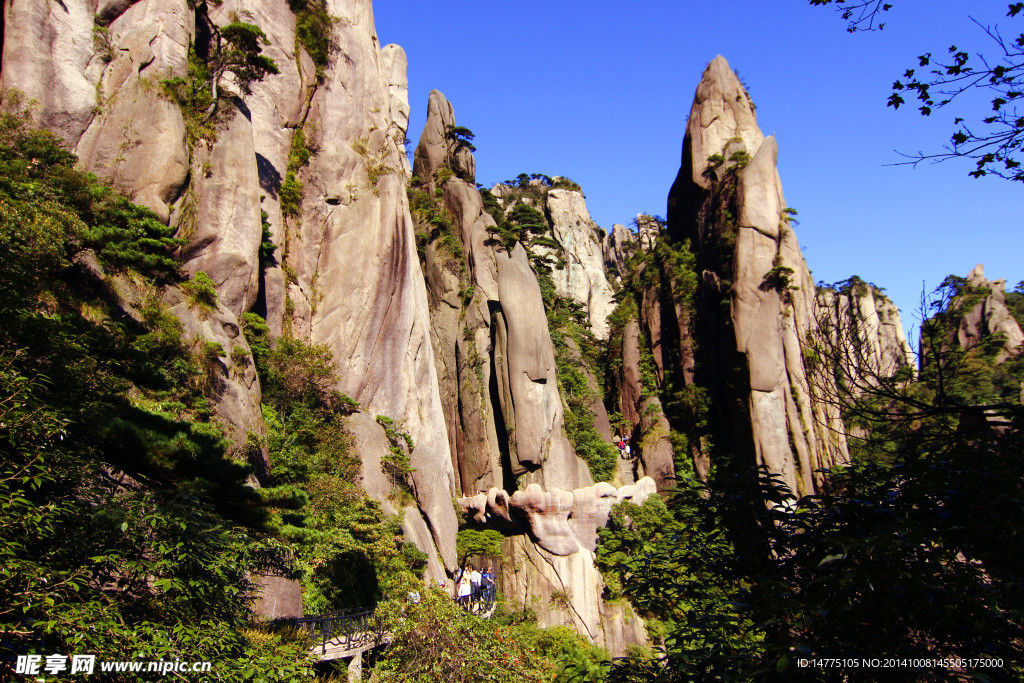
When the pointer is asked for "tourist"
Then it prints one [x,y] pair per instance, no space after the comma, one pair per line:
[474,579]
[465,587]
[487,581]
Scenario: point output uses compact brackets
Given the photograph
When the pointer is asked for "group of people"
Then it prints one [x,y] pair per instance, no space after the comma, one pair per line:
[623,447]
[474,586]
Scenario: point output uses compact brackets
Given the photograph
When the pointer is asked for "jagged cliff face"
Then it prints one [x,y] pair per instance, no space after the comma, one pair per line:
[756,300]
[862,323]
[583,277]
[492,343]
[434,316]
[345,273]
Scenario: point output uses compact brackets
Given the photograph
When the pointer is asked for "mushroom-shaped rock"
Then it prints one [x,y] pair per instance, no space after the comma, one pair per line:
[590,509]
[498,504]
[547,513]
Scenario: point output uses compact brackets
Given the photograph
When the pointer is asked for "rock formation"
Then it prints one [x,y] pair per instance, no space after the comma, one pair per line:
[583,277]
[728,200]
[862,331]
[497,367]
[98,83]
[548,560]
[434,308]
[989,316]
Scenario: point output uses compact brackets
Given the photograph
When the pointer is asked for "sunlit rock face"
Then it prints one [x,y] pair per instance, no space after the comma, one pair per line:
[492,346]
[583,277]
[989,316]
[756,300]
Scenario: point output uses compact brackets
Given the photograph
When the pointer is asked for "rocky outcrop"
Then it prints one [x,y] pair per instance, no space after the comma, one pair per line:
[396,66]
[617,246]
[437,148]
[583,277]
[233,384]
[728,200]
[562,522]
[224,234]
[137,138]
[491,341]
[528,377]
[97,70]
[373,317]
[989,316]
[49,54]
[547,562]
[565,591]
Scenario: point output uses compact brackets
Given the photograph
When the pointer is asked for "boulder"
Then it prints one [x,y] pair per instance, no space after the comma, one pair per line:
[278,598]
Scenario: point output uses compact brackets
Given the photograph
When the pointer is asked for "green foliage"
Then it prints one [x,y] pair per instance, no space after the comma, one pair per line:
[561,183]
[51,211]
[124,529]
[632,532]
[478,543]
[460,137]
[267,246]
[201,291]
[894,555]
[577,356]
[314,30]
[396,461]
[235,48]
[290,192]
[194,96]
[778,279]
[436,640]
[436,226]
[349,553]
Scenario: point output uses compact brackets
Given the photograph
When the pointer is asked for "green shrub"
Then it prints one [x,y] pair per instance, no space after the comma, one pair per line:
[314,30]
[201,291]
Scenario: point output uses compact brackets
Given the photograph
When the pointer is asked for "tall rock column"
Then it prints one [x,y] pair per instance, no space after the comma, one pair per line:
[757,296]
[493,349]
[357,284]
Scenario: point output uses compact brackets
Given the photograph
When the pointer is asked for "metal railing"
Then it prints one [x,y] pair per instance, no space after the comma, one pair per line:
[350,629]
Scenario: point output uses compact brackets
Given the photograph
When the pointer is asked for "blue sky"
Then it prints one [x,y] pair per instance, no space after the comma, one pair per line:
[599,92]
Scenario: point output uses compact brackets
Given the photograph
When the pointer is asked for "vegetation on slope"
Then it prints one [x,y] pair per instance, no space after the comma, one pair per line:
[119,509]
